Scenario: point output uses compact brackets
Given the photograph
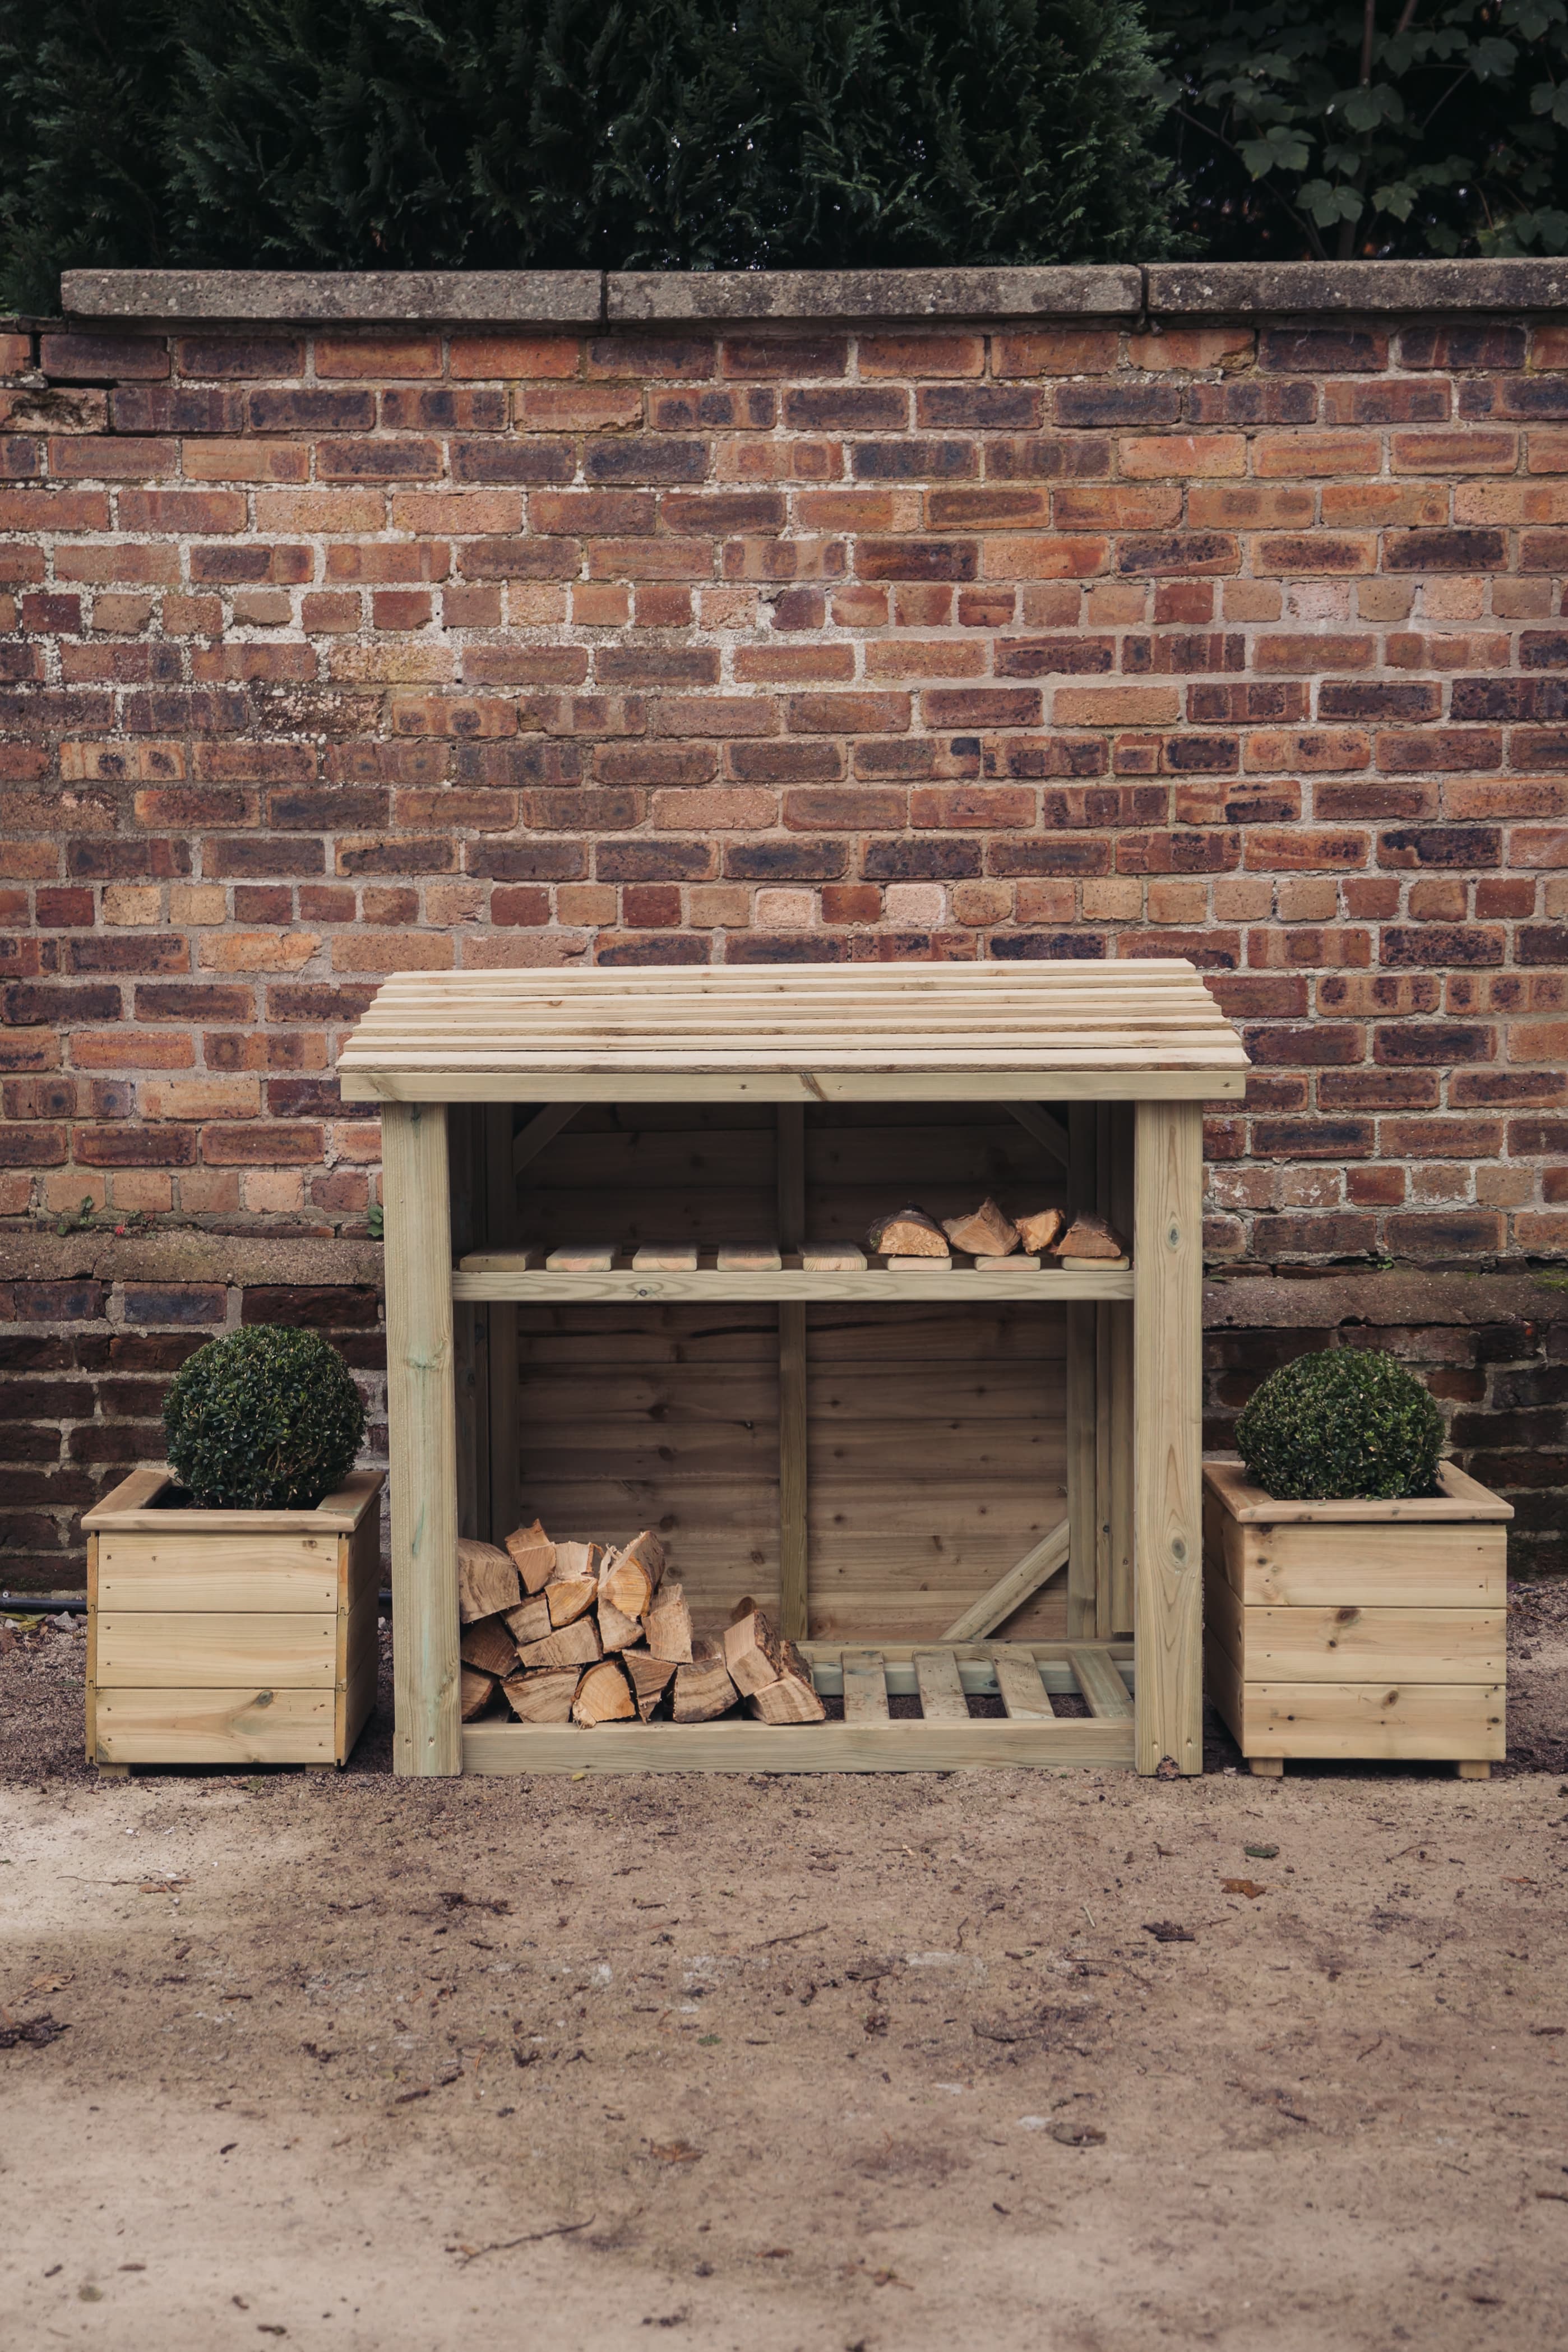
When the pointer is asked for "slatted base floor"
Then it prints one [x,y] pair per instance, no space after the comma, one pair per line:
[1025,1677]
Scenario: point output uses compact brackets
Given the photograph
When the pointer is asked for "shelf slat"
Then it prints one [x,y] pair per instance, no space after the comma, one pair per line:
[959,1286]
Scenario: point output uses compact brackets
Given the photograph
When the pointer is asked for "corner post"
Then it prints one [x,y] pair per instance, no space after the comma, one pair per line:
[1167,1456]
[423,1425]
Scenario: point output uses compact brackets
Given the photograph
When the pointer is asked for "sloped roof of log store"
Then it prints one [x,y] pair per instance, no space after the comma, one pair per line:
[1132,1030]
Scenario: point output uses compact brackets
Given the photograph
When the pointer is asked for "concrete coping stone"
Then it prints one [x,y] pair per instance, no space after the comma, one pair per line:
[584,298]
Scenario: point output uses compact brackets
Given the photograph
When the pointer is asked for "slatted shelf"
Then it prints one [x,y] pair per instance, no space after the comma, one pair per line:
[870,1739]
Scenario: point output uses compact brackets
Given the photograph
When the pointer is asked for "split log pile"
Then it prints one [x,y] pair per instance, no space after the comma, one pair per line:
[585,1633]
[987,1234]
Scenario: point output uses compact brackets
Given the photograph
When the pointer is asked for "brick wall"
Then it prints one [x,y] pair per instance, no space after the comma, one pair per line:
[1224,622]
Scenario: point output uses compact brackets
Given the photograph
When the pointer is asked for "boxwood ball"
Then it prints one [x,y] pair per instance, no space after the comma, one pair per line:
[266,1419]
[1348,1424]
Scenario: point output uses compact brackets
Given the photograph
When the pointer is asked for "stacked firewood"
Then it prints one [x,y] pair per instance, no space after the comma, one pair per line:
[588,1632]
[988,1232]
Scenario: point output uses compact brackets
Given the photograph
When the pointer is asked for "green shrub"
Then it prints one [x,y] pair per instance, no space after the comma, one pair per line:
[573,134]
[264,1419]
[1345,1424]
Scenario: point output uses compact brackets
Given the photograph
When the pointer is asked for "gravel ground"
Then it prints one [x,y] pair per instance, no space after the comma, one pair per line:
[783,2064]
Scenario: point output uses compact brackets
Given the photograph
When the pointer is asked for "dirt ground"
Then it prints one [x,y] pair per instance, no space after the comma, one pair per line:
[783,2063]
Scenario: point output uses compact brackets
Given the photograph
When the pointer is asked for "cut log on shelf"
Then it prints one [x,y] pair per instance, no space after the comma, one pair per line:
[544,1698]
[1041,1227]
[1090,1236]
[487,1581]
[792,1698]
[530,1620]
[603,1695]
[702,1689]
[752,1651]
[628,1577]
[984,1232]
[616,1631]
[579,1559]
[567,1598]
[668,1625]
[574,1646]
[488,1645]
[533,1556]
[910,1233]
[651,1677]
[475,1691]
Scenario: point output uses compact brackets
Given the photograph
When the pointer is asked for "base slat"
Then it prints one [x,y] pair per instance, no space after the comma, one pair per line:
[865,1688]
[1023,1693]
[905,1747]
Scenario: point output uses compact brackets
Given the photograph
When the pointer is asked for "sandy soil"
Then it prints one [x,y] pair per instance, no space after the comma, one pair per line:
[783,2064]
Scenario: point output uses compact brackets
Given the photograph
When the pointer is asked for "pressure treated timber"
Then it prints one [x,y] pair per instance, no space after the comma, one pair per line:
[1023,1693]
[1043,1285]
[1381,1634]
[727,1746]
[1101,1684]
[428,1735]
[267,1608]
[1038,1564]
[791,1144]
[1030,1046]
[1167,1614]
[502,1226]
[1081,1397]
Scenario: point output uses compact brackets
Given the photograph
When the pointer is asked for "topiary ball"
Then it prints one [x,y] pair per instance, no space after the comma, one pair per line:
[267,1419]
[1348,1424]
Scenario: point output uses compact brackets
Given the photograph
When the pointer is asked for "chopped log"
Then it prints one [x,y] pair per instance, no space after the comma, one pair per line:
[790,1699]
[530,1620]
[543,1697]
[616,1631]
[578,1559]
[533,1555]
[486,1580]
[752,1651]
[475,1691]
[569,1597]
[648,1550]
[703,1688]
[487,1645]
[1089,1236]
[910,1233]
[651,1677]
[1040,1228]
[603,1695]
[574,1646]
[624,1587]
[668,1625]
[984,1232]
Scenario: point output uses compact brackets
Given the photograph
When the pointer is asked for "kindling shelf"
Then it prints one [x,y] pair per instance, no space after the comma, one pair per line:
[1105,1067]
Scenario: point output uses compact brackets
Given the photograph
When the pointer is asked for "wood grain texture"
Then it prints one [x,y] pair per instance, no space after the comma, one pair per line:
[127,1510]
[1431,1722]
[1081,1397]
[794,1569]
[1039,1563]
[742,1746]
[1167,1265]
[1101,1684]
[215,1727]
[1351,1643]
[1023,1693]
[1045,1286]
[864,1682]
[217,1571]
[184,1649]
[423,1435]
[502,1230]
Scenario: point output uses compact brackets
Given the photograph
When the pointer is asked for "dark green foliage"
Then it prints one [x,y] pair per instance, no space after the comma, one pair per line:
[266,1419]
[1345,1424]
[663,134]
[1370,127]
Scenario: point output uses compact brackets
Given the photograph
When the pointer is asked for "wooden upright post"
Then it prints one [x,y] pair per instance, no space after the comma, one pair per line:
[793,1605]
[1081,1399]
[420,1411]
[1167,1458]
[501,1233]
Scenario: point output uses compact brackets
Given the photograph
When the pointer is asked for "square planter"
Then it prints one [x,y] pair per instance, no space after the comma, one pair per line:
[230,1637]
[1357,1629]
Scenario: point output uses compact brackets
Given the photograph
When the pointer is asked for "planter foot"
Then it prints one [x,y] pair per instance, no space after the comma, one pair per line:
[1472,1770]
[1267,1767]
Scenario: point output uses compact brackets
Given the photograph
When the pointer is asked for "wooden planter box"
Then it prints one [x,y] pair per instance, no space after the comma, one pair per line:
[230,1637]
[1357,1628]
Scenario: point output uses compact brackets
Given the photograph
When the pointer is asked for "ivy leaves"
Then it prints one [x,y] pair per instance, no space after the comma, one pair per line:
[1373,126]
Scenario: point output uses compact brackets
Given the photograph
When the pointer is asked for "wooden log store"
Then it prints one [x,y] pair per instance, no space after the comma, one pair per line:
[627,1285]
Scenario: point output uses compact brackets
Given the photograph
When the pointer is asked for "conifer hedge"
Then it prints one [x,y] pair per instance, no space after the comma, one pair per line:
[642,134]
